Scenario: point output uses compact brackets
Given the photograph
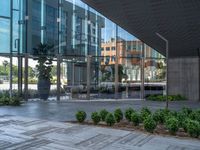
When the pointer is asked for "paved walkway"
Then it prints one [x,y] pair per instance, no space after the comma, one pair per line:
[20,133]
[64,111]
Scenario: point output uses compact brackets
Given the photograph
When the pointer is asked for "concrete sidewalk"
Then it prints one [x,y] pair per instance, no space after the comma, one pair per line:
[20,133]
[65,111]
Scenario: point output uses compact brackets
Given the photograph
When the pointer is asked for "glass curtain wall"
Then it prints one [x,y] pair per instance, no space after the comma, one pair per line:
[76,31]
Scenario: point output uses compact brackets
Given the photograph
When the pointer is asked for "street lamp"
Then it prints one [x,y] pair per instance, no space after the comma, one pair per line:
[167,55]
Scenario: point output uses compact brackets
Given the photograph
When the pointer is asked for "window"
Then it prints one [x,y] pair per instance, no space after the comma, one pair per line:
[16,4]
[113,48]
[107,59]
[93,31]
[5,8]
[107,48]
[129,47]
[4,35]
[113,58]
[94,39]
[102,49]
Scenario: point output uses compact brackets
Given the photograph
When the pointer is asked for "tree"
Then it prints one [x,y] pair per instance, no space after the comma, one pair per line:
[5,64]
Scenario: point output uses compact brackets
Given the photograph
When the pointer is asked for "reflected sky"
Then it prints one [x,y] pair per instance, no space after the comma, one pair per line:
[4,35]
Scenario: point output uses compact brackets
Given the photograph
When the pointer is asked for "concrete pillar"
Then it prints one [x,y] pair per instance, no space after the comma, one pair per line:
[183,77]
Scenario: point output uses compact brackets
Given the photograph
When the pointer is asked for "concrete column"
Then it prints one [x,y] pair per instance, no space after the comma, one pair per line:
[26,78]
[183,77]
[58,76]
[88,76]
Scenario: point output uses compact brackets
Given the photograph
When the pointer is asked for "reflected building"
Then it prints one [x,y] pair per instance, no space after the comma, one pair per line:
[76,31]
[129,54]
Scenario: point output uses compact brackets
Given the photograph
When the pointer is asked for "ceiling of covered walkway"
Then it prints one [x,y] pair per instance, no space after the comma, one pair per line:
[177,20]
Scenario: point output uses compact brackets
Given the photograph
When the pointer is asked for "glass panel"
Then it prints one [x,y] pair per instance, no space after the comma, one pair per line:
[102,78]
[4,35]
[4,73]
[129,70]
[154,72]
[74,77]
[44,22]
[16,4]
[5,8]
[16,40]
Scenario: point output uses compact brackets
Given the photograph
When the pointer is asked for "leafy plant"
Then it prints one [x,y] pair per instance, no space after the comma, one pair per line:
[145,112]
[159,116]
[193,128]
[15,101]
[110,119]
[44,54]
[118,115]
[96,117]
[103,113]
[81,116]
[128,113]
[149,124]
[186,111]
[172,125]
[163,97]
[135,118]
[195,115]
[181,118]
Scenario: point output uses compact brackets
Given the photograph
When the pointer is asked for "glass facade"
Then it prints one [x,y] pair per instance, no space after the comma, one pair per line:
[76,31]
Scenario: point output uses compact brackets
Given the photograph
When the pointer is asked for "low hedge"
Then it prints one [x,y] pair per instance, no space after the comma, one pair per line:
[96,117]
[118,115]
[186,119]
[163,97]
[110,119]
[13,101]
[81,116]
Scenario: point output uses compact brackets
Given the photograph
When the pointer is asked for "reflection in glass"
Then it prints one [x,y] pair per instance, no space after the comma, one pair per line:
[4,35]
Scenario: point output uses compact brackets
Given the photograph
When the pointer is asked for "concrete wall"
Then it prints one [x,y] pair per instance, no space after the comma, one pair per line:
[183,77]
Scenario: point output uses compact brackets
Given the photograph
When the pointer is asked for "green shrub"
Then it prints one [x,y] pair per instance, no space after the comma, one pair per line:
[193,128]
[110,119]
[118,115]
[163,97]
[135,118]
[185,123]
[15,101]
[172,125]
[5,100]
[181,117]
[128,113]
[195,115]
[186,111]
[103,113]
[96,118]
[145,112]
[159,116]
[149,124]
[81,116]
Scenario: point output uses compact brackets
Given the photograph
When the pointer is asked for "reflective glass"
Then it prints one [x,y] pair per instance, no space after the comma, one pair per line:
[4,35]
[5,8]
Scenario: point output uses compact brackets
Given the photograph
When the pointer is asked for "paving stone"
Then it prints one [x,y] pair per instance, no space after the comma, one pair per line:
[21,133]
